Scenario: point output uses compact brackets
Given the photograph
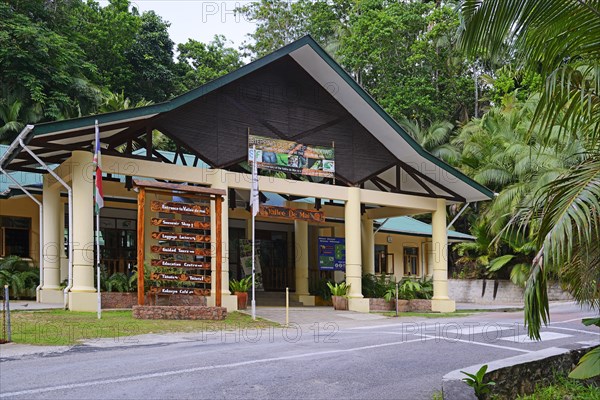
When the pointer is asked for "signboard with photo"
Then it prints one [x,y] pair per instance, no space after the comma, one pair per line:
[332,254]
[292,157]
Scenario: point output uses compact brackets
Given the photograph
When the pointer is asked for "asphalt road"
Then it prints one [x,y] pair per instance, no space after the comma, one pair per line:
[374,359]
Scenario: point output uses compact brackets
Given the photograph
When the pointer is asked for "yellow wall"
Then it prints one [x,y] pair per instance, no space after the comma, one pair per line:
[23,206]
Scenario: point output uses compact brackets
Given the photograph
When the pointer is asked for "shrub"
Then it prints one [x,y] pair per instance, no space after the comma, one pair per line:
[375,286]
[17,274]
[243,285]
[338,289]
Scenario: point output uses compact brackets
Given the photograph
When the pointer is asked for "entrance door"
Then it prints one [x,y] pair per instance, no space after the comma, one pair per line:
[119,252]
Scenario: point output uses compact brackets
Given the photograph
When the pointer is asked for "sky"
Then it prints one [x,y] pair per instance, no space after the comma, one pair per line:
[199,19]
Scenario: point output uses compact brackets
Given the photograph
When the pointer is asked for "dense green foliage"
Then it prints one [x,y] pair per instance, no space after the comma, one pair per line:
[403,53]
[18,275]
[69,58]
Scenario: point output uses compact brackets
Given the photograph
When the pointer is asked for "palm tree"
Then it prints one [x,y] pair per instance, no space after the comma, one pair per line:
[559,39]
[435,138]
[13,117]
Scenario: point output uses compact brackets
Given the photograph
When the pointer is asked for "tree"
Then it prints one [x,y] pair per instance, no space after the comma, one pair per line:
[151,59]
[13,118]
[43,69]
[199,62]
[435,138]
[280,22]
[558,39]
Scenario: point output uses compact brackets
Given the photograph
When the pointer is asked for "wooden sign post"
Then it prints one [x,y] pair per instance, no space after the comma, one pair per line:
[173,249]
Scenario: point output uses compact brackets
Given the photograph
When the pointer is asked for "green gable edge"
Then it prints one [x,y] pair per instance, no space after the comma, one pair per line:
[185,98]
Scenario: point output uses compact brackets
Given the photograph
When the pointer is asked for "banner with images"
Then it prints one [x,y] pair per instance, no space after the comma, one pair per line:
[292,157]
[332,253]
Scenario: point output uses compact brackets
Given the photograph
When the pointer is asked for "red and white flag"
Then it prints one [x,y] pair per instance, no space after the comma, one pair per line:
[98,193]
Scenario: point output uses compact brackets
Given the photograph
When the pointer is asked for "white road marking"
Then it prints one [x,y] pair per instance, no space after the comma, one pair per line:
[197,369]
[545,336]
[574,319]
[482,344]
[574,330]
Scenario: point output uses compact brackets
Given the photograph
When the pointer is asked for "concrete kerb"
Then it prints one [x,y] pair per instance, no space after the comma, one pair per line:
[454,388]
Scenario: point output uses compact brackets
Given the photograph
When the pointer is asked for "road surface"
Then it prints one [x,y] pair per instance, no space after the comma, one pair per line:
[375,359]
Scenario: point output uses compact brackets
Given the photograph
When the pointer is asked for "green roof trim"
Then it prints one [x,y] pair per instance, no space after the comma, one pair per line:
[413,227]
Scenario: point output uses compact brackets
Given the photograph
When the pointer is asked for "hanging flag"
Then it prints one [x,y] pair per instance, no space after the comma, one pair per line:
[98,193]
[254,197]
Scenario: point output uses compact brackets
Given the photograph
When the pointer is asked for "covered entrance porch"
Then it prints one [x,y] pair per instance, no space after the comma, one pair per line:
[297,94]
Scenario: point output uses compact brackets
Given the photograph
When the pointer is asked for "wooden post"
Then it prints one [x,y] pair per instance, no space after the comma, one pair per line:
[219,249]
[140,244]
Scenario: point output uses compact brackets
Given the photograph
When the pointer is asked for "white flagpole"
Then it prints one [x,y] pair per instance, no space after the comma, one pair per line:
[254,176]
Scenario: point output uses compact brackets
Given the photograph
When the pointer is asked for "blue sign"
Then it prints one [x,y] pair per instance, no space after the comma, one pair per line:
[332,254]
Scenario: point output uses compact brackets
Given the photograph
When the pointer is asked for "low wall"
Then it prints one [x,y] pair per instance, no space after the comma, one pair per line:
[473,291]
[417,305]
[128,300]
[517,376]
[179,312]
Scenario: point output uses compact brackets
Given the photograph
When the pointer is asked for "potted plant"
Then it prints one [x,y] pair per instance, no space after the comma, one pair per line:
[240,289]
[339,292]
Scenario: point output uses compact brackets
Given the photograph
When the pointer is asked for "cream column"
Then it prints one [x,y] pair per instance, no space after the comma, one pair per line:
[301,259]
[368,246]
[338,231]
[82,296]
[64,258]
[356,302]
[228,300]
[51,292]
[440,302]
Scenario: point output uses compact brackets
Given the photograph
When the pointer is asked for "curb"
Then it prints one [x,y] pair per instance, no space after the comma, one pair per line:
[454,388]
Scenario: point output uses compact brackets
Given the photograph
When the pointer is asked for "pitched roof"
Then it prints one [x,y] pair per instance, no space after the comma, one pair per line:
[437,178]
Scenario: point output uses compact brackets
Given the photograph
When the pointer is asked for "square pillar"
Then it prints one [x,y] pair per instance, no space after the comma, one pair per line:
[82,296]
[440,301]
[51,292]
[356,302]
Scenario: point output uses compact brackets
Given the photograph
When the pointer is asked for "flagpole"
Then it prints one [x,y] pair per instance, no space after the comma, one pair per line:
[254,173]
[97,211]
[98,263]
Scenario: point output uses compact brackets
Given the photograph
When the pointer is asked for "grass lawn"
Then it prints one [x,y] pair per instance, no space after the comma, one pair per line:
[565,388]
[59,327]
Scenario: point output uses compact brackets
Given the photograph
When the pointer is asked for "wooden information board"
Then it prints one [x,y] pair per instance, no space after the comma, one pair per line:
[182,226]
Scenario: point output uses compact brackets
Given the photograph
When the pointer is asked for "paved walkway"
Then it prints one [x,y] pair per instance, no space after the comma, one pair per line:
[32,305]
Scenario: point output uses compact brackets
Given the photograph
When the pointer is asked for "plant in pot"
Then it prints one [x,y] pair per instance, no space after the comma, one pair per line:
[339,292]
[240,289]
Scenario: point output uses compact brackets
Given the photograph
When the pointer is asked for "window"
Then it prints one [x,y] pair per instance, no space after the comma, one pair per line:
[384,261]
[411,261]
[14,236]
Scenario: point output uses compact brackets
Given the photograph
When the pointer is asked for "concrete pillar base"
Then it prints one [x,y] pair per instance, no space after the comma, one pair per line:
[83,301]
[443,305]
[51,296]
[358,304]
[229,301]
[306,299]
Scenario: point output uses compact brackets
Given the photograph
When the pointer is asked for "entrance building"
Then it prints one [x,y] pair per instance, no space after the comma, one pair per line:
[297,93]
